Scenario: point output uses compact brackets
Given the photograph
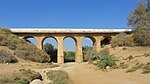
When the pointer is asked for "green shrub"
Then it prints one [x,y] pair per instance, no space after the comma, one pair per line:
[147,54]
[58,77]
[146,68]
[7,57]
[69,56]
[135,67]
[104,59]
[86,53]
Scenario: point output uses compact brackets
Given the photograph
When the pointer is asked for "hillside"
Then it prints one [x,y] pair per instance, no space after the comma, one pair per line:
[20,48]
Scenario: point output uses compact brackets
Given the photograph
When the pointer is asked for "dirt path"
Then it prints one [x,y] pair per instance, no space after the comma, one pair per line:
[86,74]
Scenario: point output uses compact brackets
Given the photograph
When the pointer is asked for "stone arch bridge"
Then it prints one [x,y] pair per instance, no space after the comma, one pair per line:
[96,35]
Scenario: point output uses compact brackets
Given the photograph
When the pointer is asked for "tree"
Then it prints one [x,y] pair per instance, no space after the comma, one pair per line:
[139,19]
[49,49]
[148,5]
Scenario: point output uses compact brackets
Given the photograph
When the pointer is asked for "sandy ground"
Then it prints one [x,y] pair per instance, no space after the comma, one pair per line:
[87,74]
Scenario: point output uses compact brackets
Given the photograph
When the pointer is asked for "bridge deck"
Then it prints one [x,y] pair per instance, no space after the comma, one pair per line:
[30,30]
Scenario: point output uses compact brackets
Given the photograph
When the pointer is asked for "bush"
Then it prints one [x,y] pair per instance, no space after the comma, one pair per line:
[122,39]
[86,53]
[7,57]
[58,77]
[21,77]
[146,68]
[69,56]
[29,75]
[104,59]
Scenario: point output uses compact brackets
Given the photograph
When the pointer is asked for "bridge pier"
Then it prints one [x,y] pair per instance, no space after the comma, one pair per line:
[60,51]
[39,42]
[97,45]
[79,56]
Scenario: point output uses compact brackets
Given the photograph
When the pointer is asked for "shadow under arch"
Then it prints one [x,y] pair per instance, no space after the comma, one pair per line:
[105,40]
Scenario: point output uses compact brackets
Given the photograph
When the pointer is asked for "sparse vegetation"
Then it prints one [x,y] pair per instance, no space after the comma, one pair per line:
[129,58]
[146,68]
[21,77]
[58,77]
[29,75]
[7,57]
[122,39]
[22,48]
[135,67]
[147,54]
[86,53]
[123,65]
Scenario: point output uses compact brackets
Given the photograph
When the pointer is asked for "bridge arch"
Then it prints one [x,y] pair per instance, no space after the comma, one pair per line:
[73,37]
[69,50]
[47,37]
[92,39]
[51,40]
[105,40]
[88,43]
[30,39]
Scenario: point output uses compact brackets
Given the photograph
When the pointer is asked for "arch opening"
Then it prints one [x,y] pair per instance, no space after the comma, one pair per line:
[87,45]
[49,45]
[69,44]
[105,41]
[30,39]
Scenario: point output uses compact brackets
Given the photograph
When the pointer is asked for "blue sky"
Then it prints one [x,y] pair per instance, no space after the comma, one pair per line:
[66,14]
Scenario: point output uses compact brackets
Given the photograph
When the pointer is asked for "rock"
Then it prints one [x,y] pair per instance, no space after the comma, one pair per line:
[107,67]
[36,81]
